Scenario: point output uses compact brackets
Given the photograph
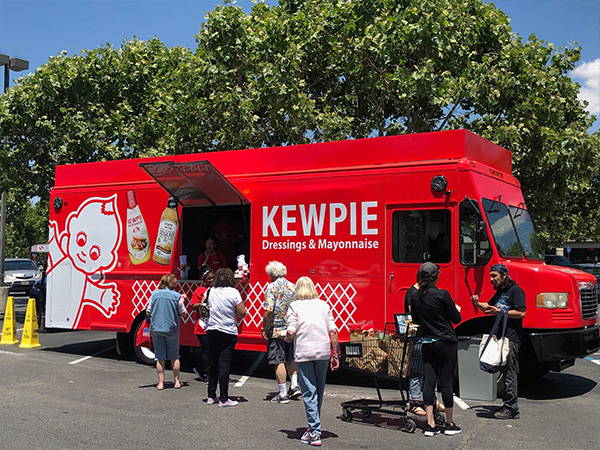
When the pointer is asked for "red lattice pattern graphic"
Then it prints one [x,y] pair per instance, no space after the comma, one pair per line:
[339,296]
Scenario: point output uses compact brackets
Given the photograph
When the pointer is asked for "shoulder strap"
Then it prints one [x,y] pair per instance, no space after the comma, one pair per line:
[207,295]
[505,317]
[494,329]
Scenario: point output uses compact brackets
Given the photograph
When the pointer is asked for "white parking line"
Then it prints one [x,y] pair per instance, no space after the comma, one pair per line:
[11,353]
[255,364]
[460,402]
[85,358]
[595,361]
[20,329]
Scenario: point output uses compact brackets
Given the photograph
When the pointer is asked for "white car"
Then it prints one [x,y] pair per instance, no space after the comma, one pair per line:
[20,274]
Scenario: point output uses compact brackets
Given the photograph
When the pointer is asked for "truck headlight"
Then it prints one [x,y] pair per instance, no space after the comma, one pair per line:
[37,276]
[552,300]
[8,278]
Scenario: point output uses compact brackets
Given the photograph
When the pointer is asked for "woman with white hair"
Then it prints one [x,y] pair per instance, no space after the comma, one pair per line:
[310,325]
[278,296]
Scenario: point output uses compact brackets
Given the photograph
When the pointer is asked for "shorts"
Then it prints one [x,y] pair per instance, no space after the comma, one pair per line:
[166,345]
[279,351]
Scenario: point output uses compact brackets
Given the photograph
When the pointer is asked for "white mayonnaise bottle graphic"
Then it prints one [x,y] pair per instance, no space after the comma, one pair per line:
[138,241]
[167,230]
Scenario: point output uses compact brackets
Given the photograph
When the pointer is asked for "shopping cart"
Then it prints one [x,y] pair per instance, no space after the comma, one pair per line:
[384,355]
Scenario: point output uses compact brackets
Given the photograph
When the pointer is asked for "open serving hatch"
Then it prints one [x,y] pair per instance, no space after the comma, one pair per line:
[196,183]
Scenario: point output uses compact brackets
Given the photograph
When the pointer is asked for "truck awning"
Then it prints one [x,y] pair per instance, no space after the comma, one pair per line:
[196,183]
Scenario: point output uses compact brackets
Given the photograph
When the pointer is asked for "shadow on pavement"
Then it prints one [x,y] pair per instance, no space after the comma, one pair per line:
[87,348]
[298,432]
[384,420]
[555,386]
[485,411]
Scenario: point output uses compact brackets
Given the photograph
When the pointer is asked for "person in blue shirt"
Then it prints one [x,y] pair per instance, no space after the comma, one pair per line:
[163,312]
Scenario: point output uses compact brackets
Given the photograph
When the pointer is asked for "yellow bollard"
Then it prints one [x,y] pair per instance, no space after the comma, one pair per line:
[9,328]
[30,338]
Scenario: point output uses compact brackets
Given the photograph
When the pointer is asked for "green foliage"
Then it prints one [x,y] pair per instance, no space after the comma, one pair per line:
[318,70]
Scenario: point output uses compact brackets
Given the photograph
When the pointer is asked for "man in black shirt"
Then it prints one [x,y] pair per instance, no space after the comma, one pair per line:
[509,298]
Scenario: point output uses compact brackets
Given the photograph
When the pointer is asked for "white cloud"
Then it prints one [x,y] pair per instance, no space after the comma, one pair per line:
[589,73]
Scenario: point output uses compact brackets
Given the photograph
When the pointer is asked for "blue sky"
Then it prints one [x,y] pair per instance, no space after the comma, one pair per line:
[37,29]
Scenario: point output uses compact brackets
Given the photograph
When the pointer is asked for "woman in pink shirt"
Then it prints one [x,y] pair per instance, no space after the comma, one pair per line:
[310,326]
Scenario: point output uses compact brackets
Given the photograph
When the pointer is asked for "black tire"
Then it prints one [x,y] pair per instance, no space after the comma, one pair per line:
[367,413]
[346,415]
[409,426]
[125,346]
[535,372]
[440,419]
[142,355]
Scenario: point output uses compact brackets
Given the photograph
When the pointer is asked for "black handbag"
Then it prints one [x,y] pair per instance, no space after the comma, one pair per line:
[204,306]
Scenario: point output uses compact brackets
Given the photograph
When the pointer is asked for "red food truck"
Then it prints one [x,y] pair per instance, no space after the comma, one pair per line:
[357,216]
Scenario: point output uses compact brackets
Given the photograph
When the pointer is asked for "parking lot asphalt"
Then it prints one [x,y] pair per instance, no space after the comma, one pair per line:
[75,392]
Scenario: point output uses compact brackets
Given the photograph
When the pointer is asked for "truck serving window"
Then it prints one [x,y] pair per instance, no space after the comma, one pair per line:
[502,228]
[529,241]
[475,249]
[421,235]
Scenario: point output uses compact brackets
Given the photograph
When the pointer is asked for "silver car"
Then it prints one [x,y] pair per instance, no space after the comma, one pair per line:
[20,274]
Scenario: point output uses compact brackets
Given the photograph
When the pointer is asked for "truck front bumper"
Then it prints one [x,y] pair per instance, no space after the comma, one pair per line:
[558,345]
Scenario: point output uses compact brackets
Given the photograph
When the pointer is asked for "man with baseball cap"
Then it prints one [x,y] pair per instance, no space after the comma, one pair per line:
[509,298]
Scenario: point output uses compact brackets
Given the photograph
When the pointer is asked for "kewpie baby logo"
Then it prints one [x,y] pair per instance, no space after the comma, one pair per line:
[89,245]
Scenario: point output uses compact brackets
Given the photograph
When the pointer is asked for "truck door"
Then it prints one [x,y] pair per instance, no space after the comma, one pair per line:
[416,234]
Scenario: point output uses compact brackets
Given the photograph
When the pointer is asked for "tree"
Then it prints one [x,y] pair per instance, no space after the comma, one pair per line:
[102,104]
[311,71]
[325,70]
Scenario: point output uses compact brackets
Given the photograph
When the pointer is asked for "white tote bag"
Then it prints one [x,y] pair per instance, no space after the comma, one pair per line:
[493,350]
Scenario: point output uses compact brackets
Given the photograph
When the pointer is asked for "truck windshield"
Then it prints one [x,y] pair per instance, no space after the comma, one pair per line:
[527,237]
[502,228]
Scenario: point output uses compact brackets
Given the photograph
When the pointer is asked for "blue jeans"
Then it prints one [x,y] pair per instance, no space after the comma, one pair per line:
[312,376]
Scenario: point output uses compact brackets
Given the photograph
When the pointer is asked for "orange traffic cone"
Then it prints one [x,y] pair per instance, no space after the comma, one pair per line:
[9,328]
[30,338]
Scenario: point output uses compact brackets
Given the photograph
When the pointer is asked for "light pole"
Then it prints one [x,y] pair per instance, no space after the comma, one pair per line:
[17,65]
[14,64]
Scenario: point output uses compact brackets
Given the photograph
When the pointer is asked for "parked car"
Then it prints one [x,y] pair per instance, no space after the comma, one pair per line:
[593,268]
[559,260]
[20,274]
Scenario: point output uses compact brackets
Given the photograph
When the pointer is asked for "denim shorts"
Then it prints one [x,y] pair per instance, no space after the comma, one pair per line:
[166,345]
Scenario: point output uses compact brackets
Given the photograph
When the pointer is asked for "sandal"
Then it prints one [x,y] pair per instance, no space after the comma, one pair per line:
[177,386]
[159,388]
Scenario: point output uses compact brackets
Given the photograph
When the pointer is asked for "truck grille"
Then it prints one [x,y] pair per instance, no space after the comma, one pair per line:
[589,301]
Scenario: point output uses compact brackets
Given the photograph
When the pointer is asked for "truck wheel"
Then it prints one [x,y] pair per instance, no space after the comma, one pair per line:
[142,355]
[125,346]
[533,372]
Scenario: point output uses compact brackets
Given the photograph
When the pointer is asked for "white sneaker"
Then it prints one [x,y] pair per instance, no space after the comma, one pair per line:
[211,401]
[228,404]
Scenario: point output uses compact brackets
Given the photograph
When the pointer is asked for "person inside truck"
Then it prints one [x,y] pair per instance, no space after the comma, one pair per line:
[510,298]
[211,257]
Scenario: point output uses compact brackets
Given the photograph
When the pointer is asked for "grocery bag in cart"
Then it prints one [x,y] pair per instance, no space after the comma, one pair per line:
[365,353]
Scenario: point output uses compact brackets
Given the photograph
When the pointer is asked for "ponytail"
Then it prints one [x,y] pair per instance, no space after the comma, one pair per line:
[426,282]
